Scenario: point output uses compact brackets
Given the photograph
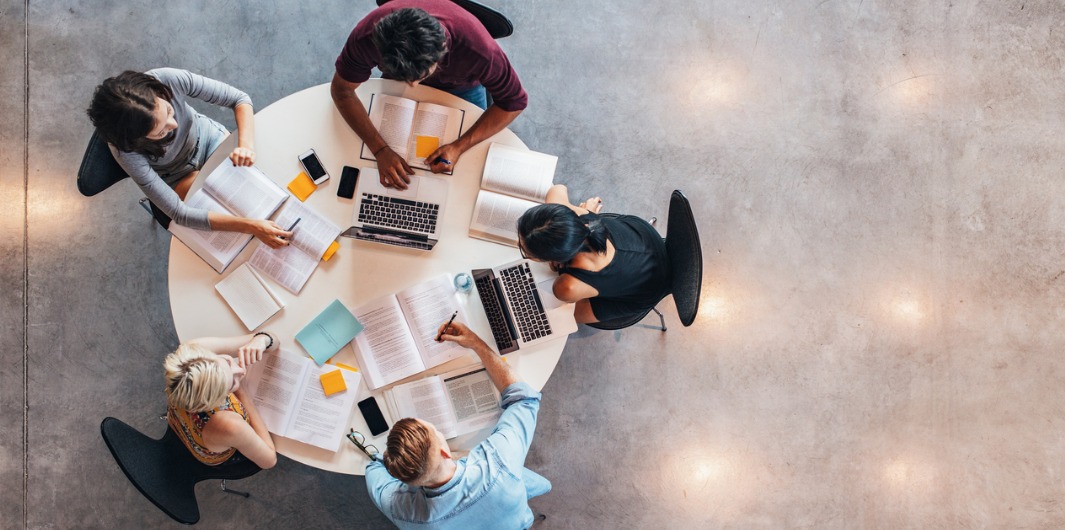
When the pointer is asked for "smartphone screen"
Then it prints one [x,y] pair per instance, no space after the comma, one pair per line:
[313,166]
[372,414]
[348,179]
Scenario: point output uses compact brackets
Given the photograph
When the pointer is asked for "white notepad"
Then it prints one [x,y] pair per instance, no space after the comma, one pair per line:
[249,296]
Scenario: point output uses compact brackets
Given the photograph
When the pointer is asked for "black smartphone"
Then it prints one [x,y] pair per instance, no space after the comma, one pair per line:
[372,414]
[348,179]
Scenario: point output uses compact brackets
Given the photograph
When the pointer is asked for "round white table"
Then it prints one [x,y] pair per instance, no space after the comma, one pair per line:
[360,271]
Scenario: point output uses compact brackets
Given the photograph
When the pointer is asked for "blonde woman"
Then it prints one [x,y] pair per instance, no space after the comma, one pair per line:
[206,405]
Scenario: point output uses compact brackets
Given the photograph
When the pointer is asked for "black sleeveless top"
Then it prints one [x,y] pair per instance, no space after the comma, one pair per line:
[638,276]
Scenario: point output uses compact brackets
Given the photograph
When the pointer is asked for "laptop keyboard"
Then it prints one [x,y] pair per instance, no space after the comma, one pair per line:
[401,214]
[529,314]
[500,330]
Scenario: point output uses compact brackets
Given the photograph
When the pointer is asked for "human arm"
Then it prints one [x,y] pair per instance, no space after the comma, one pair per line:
[498,370]
[393,169]
[264,230]
[248,349]
[379,484]
[228,429]
[493,120]
[244,153]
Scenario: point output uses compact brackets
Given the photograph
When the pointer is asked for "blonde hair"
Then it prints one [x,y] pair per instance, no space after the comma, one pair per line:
[194,380]
[409,444]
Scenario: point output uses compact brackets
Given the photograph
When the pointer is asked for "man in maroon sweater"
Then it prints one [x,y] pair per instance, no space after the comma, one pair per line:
[437,43]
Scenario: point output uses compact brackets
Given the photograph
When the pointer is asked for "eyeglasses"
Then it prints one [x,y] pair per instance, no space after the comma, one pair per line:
[371,451]
[521,249]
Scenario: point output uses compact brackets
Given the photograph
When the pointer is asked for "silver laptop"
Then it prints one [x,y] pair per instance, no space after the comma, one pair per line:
[404,218]
[520,306]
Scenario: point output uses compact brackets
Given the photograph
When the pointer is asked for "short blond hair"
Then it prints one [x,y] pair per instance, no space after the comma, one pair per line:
[194,380]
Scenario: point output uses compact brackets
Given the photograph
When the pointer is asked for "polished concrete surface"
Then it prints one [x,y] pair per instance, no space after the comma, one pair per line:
[879,190]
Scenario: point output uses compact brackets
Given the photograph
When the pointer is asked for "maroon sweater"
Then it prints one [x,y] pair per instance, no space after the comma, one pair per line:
[473,57]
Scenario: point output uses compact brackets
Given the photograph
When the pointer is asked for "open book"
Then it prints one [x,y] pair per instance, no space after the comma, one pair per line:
[234,190]
[456,403]
[286,388]
[412,129]
[514,180]
[248,295]
[400,336]
[292,265]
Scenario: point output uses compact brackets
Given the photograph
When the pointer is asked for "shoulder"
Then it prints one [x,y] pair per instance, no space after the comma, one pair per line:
[226,424]
[567,288]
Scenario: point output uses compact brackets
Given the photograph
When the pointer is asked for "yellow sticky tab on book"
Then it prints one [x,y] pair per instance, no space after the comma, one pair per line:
[346,367]
[425,145]
[333,382]
[302,186]
[333,247]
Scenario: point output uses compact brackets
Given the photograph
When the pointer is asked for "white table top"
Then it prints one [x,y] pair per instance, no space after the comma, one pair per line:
[360,271]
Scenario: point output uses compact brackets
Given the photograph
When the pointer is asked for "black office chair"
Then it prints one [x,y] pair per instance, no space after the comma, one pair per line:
[497,24]
[100,171]
[686,264]
[165,471]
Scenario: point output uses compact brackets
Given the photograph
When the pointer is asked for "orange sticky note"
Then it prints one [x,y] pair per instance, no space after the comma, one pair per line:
[346,367]
[302,186]
[333,382]
[333,247]
[425,145]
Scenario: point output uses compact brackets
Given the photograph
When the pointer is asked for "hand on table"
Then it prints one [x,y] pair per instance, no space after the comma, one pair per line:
[594,205]
[393,169]
[242,156]
[270,233]
[460,334]
[252,352]
[449,153]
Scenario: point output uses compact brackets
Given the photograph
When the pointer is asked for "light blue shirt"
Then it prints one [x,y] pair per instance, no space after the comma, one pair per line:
[487,490]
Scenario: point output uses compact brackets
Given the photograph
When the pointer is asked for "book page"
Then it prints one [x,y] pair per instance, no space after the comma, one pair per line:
[321,420]
[432,120]
[288,266]
[426,306]
[426,399]
[496,216]
[248,296]
[273,383]
[385,349]
[392,116]
[217,248]
[246,191]
[518,172]
[292,265]
[474,399]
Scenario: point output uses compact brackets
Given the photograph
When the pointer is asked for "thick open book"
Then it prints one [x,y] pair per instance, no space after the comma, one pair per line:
[400,335]
[286,388]
[248,295]
[513,181]
[456,403]
[412,129]
[233,190]
[292,265]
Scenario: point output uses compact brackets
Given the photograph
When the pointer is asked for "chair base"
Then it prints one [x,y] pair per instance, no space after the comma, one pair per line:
[234,492]
[621,323]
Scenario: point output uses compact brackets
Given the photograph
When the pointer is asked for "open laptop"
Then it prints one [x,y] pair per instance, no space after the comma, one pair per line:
[403,218]
[520,306]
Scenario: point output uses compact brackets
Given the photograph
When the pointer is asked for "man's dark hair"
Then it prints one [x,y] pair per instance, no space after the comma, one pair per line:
[410,41]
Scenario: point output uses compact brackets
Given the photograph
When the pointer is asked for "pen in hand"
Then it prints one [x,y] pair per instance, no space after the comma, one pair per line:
[442,160]
[447,328]
[294,223]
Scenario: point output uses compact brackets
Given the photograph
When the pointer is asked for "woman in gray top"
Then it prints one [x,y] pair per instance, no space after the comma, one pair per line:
[162,142]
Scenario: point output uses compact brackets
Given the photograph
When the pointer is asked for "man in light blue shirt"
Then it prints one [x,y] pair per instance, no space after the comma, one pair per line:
[418,485]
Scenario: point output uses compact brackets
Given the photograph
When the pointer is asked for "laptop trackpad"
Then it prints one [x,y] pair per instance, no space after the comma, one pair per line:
[547,296]
[411,193]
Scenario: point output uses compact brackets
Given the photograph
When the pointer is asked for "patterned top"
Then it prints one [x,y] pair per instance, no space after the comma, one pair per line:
[189,428]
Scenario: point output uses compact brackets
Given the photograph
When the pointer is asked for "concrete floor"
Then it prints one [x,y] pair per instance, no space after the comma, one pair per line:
[879,190]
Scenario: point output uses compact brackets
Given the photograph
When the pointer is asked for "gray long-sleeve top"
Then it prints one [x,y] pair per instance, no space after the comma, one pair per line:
[145,170]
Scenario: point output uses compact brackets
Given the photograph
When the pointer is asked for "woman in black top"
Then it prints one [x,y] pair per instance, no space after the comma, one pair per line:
[611,266]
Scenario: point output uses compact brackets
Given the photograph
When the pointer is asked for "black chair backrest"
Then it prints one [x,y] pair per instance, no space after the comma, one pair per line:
[98,170]
[164,470]
[497,24]
[685,257]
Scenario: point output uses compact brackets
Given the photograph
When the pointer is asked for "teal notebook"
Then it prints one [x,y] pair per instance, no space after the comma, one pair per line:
[328,332]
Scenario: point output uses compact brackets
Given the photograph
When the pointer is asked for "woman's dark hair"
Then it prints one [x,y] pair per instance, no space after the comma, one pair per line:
[410,41]
[553,232]
[122,108]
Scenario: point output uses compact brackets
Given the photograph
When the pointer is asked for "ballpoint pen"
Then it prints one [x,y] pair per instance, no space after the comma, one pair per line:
[294,223]
[447,328]
[442,160]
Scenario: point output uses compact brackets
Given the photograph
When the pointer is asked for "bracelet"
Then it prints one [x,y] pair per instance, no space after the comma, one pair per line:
[382,148]
[267,335]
